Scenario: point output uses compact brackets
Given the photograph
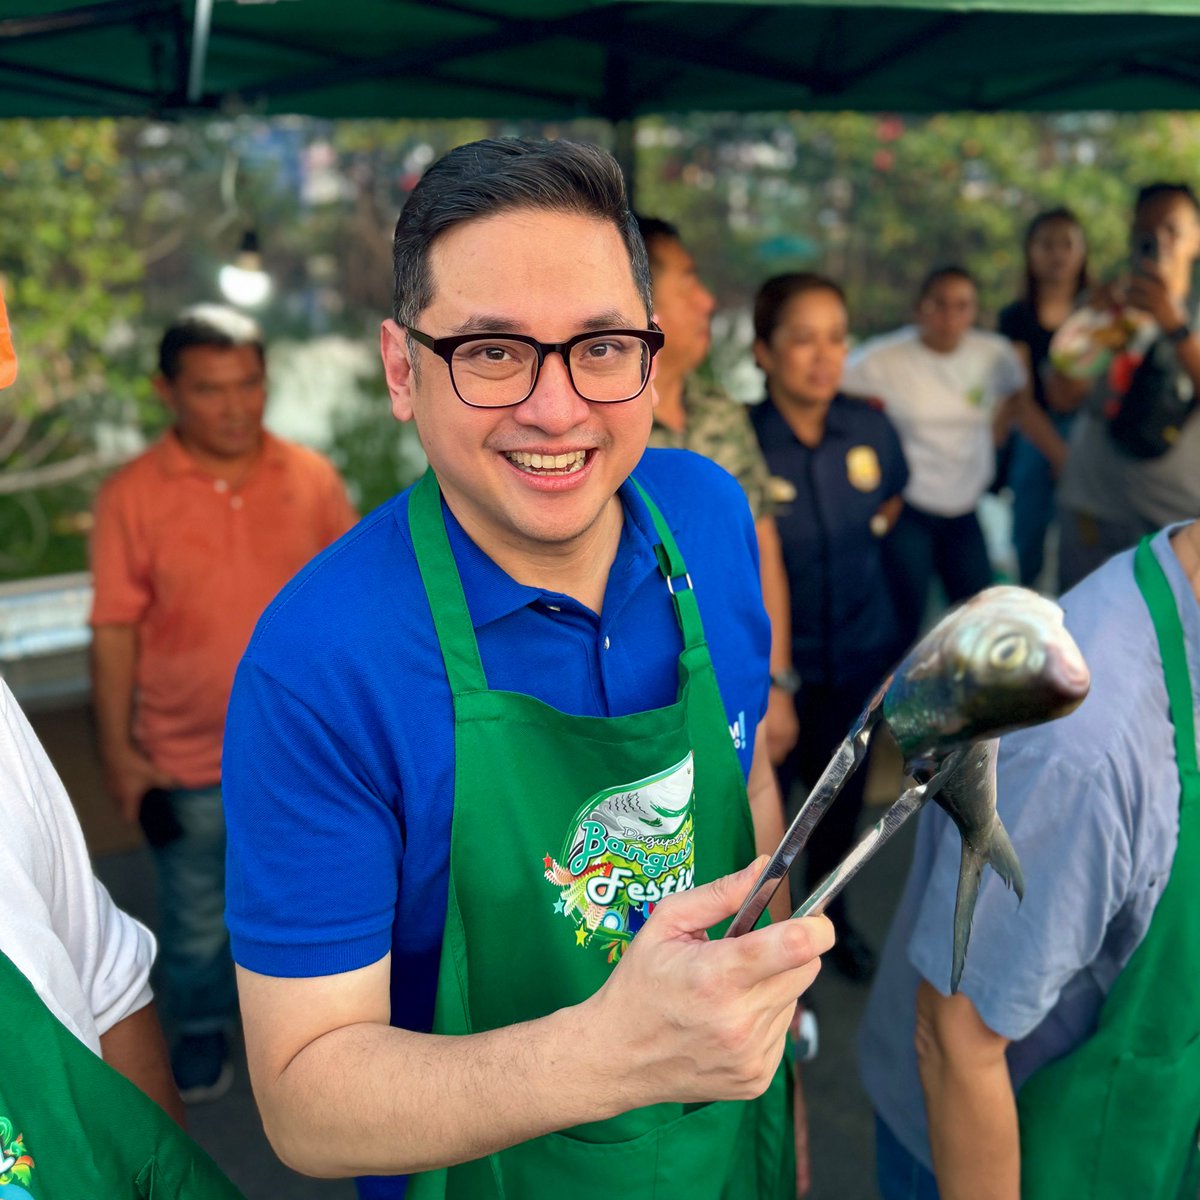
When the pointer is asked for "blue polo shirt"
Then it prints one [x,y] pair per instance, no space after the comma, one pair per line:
[338,772]
[844,626]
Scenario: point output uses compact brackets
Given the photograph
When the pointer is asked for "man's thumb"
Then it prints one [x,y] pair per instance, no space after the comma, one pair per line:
[702,907]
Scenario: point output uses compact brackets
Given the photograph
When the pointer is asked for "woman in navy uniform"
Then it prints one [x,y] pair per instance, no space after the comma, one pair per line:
[839,471]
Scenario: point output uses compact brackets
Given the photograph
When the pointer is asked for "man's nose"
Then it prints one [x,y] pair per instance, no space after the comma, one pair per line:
[554,405]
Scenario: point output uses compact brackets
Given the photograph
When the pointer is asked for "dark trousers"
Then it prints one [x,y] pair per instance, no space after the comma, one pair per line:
[1032,484]
[826,714]
[922,544]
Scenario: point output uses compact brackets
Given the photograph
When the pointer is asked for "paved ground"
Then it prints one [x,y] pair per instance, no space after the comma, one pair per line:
[230,1129]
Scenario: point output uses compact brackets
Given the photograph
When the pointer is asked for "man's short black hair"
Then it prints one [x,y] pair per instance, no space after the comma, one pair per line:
[207,325]
[1152,191]
[949,271]
[499,175]
[654,229]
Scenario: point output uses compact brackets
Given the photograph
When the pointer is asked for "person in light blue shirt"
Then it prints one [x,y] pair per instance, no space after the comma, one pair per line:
[1091,803]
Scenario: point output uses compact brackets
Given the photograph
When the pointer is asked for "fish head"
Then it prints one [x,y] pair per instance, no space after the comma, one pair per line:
[1001,661]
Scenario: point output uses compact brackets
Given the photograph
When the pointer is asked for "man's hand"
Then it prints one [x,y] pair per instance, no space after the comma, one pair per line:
[706,1020]
[782,724]
[1148,290]
[128,776]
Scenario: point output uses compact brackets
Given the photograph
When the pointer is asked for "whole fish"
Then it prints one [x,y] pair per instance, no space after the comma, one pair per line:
[968,794]
[1001,661]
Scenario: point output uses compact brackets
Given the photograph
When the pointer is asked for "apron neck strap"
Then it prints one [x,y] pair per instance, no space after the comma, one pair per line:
[1160,600]
[448,603]
[674,571]
[443,587]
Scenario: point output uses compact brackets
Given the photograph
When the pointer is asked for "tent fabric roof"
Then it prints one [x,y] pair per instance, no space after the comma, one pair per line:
[571,58]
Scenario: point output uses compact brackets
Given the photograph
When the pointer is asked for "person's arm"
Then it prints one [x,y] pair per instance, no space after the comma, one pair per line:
[341,1092]
[1148,291]
[135,1047]
[128,773]
[1035,425]
[783,727]
[968,1098]
[766,812]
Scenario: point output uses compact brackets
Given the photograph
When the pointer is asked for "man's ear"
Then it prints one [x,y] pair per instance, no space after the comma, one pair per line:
[397,369]
[761,355]
[166,393]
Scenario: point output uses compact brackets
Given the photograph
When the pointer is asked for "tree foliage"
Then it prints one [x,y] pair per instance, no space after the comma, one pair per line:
[108,228]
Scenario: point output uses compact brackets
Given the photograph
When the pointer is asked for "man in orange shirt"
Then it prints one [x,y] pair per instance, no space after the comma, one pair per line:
[192,540]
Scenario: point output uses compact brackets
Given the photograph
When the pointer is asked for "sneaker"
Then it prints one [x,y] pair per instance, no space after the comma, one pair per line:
[201,1066]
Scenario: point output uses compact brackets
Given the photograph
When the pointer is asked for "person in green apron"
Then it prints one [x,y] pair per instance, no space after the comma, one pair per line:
[87,1103]
[494,768]
[1069,1063]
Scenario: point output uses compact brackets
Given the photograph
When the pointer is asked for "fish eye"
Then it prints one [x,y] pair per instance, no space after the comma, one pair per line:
[1009,652]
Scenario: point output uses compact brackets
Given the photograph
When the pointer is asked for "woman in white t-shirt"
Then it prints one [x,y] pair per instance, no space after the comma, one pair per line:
[943,383]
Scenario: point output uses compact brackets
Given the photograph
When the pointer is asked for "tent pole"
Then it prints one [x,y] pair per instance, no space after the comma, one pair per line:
[200,30]
[625,152]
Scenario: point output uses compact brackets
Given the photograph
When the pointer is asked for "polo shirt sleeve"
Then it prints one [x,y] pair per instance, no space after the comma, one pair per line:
[1072,834]
[314,853]
[120,563]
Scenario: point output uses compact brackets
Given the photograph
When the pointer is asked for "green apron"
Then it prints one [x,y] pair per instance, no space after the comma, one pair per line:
[566,831]
[1118,1117]
[72,1128]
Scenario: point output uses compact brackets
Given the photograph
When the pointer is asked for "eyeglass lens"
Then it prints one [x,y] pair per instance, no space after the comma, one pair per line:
[492,372]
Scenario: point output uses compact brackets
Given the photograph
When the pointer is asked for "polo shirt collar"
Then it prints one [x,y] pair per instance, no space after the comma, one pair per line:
[493,594]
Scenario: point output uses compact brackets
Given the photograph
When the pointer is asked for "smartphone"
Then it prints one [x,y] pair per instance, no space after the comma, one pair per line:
[158,820]
[1145,246]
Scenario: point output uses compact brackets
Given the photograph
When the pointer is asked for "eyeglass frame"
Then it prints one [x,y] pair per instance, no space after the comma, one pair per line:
[445,347]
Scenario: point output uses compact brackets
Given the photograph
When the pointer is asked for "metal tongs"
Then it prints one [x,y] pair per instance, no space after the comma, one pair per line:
[932,753]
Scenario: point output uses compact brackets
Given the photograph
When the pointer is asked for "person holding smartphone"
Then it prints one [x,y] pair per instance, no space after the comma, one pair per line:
[1134,459]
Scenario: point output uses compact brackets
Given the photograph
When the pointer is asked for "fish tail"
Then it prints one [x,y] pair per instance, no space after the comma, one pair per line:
[969,873]
[1003,859]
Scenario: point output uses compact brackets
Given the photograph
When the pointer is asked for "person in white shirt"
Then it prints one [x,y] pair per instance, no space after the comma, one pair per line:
[88,961]
[943,384]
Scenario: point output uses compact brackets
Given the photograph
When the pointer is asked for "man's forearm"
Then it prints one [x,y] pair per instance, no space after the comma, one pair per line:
[968,1098]
[338,1109]
[135,1047]
[776,595]
[114,660]
[973,1133]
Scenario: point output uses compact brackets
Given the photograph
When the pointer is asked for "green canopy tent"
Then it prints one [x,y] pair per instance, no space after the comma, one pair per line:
[558,59]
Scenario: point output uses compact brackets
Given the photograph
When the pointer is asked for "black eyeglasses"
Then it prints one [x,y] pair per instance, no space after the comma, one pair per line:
[500,370]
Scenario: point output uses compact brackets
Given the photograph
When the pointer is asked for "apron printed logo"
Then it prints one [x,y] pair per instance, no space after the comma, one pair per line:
[16,1166]
[627,848]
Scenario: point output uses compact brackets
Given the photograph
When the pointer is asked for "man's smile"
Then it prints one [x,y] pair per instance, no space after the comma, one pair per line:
[548,464]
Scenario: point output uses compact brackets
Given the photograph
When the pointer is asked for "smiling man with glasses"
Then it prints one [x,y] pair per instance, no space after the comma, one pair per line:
[495,761]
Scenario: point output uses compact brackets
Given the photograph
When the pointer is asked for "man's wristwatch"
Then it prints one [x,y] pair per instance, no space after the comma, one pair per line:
[786,681]
[1180,334]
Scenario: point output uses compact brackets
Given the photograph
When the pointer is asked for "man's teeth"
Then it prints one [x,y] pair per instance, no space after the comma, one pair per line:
[548,462]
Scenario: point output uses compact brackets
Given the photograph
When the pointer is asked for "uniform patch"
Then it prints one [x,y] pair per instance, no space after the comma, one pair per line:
[627,848]
[863,469]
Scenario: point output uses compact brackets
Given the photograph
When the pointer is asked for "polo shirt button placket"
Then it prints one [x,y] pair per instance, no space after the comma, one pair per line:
[220,485]
[235,502]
